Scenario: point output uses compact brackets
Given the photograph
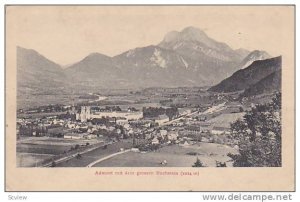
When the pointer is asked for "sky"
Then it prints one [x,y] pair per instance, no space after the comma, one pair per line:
[67,34]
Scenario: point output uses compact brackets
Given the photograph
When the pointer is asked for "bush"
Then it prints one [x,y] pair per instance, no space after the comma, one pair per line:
[78,156]
[53,164]
[258,136]
[76,147]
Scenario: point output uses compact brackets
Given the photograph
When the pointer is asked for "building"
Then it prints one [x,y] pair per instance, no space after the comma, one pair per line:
[220,130]
[78,136]
[77,116]
[172,135]
[74,136]
[163,133]
[192,129]
[121,121]
[90,136]
[118,114]
[86,114]
[155,141]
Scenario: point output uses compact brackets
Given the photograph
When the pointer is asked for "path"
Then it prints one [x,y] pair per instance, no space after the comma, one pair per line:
[100,98]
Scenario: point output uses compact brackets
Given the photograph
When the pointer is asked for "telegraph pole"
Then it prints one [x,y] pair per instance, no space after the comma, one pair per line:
[199,135]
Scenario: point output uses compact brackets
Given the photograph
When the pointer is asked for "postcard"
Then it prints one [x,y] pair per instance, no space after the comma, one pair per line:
[150,98]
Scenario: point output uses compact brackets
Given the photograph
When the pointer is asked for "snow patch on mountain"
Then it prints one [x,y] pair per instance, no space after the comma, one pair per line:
[184,62]
[253,56]
[158,59]
[252,59]
[177,45]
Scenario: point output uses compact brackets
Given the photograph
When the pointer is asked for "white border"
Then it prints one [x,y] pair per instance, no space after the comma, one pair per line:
[114,196]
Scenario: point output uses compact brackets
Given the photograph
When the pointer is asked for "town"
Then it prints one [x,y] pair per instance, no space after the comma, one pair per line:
[150,128]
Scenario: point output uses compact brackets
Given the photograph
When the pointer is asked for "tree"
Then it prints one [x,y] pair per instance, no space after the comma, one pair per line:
[198,163]
[172,112]
[78,156]
[221,164]
[258,136]
[241,109]
[53,164]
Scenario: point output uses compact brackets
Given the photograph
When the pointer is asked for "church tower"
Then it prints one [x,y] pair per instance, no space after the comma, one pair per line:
[88,112]
[83,114]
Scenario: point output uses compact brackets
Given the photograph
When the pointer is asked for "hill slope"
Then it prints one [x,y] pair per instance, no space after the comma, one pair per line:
[34,69]
[268,84]
[36,75]
[244,78]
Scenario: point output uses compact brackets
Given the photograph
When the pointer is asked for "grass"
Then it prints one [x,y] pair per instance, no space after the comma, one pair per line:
[175,155]
[42,149]
[29,160]
[56,141]
[96,154]
[224,120]
[37,149]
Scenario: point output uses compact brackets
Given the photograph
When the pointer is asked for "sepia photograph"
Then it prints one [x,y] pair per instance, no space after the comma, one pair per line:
[155,87]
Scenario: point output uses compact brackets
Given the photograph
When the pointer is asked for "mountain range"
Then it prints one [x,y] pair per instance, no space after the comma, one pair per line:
[35,71]
[185,58]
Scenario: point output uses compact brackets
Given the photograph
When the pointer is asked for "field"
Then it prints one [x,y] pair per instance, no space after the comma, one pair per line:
[124,97]
[30,159]
[224,120]
[39,115]
[91,156]
[42,149]
[28,100]
[51,141]
[175,155]
[32,150]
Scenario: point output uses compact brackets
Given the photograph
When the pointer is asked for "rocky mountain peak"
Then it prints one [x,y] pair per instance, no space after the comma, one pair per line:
[253,56]
[186,35]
